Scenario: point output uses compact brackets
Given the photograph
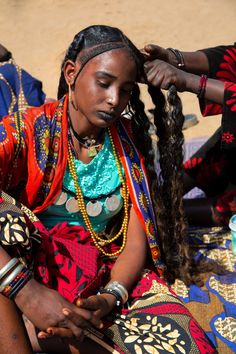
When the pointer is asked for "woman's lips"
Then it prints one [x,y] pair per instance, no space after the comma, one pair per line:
[106,116]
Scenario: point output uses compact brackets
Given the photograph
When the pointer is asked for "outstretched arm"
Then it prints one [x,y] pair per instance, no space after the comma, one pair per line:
[194,62]
[161,74]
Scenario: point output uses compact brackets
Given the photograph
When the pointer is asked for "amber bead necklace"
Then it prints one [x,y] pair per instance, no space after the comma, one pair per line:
[82,207]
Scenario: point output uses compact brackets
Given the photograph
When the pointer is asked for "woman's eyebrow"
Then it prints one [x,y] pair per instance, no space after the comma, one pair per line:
[110,76]
[105,73]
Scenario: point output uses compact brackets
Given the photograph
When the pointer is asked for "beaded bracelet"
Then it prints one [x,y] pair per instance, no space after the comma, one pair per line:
[17,283]
[179,57]
[202,86]
[21,283]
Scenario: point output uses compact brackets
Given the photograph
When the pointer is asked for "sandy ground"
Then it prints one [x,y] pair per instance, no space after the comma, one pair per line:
[39,31]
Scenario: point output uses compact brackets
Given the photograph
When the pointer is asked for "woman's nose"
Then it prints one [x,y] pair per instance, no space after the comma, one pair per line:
[113,98]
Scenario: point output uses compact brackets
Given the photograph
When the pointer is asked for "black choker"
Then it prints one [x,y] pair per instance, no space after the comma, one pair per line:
[86,142]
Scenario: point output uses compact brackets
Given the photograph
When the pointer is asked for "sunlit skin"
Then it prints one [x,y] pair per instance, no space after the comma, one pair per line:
[101,91]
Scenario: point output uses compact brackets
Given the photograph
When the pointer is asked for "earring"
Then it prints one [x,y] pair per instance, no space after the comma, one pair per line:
[69,93]
[70,96]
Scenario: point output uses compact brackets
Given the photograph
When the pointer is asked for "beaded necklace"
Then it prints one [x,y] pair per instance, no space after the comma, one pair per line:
[81,204]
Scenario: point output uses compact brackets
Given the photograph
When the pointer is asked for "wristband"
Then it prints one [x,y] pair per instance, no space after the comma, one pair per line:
[119,288]
[202,86]
[114,293]
[179,56]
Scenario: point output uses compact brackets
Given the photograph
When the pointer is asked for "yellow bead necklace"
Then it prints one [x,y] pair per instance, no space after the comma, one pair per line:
[81,204]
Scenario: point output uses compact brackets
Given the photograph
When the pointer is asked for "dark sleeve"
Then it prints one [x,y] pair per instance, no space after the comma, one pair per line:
[210,166]
[222,66]
[33,90]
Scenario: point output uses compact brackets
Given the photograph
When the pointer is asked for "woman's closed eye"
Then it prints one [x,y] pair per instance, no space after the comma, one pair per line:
[103,84]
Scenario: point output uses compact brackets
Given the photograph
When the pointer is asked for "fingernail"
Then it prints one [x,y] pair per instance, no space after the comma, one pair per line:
[65,312]
[101,325]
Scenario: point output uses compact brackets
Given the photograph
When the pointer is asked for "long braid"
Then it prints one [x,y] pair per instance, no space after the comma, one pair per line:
[170,216]
[140,126]
[71,54]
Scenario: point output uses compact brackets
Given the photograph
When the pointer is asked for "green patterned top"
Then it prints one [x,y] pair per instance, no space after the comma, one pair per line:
[99,181]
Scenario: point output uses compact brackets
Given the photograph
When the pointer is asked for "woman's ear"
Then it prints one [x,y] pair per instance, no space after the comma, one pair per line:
[69,70]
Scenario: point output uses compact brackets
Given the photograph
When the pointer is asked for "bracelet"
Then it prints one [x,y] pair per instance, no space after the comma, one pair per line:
[202,86]
[21,283]
[115,285]
[17,283]
[179,57]
[11,277]
[114,293]
[8,267]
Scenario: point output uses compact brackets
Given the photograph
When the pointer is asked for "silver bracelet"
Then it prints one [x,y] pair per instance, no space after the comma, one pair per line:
[11,276]
[119,288]
[10,265]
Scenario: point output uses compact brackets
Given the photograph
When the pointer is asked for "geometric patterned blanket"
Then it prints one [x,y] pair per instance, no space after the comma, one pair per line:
[214,305]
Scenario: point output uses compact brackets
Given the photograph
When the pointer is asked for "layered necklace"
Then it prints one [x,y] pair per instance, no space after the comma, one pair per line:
[89,143]
[99,241]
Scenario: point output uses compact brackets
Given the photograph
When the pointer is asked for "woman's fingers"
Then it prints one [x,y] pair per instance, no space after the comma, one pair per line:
[82,318]
[62,332]
[43,335]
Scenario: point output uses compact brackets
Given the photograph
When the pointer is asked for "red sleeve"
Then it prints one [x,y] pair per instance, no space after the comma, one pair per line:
[222,66]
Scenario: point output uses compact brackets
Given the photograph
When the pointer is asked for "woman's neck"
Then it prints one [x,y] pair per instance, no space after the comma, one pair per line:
[81,127]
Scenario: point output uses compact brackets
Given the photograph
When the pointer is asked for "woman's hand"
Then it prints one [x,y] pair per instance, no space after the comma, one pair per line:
[100,305]
[152,51]
[163,75]
[46,308]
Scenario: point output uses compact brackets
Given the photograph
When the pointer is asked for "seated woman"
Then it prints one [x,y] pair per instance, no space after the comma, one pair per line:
[112,231]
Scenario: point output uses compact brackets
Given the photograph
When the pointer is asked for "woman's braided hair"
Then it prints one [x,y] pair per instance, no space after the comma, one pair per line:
[166,186]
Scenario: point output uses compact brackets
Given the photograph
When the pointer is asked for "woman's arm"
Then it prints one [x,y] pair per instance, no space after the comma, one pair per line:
[44,307]
[13,335]
[131,261]
[126,270]
[194,62]
[161,74]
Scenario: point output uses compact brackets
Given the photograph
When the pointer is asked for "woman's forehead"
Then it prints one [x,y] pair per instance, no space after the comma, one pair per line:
[114,59]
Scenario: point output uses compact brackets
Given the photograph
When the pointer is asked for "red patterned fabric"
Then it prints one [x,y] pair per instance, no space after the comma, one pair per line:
[222,66]
[68,262]
[212,169]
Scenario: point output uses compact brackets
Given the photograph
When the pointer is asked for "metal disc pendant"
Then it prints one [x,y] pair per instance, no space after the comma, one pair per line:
[72,205]
[61,199]
[112,203]
[92,151]
[94,208]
